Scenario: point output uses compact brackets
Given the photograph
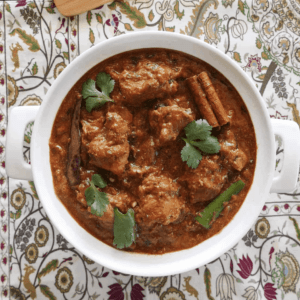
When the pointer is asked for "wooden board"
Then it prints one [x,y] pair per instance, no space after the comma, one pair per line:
[74,7]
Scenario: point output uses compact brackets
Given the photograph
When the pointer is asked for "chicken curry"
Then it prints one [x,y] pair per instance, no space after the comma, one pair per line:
[142,146]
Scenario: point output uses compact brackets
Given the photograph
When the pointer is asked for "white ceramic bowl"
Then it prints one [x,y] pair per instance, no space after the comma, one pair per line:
[170,263]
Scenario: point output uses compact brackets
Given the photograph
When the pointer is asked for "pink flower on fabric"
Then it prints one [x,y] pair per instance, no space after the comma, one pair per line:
[4,260]
[2,246]
[2,213]
[246,267]
[264,208]
[270,291]
[4,195]
[254,63]
[4,227]
[276,208]
[21,3]
[298,207]
[114,22]
[286,206]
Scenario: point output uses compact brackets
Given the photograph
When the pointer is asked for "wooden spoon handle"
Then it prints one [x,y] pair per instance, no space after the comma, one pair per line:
[74,7]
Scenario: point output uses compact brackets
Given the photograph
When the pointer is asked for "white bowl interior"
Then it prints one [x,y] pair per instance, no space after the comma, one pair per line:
[170,263]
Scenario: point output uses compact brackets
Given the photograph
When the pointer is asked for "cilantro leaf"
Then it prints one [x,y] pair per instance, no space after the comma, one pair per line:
[98,208]
[97,200]
[198,135]
[93,97]
[191,155]
[196,131]
[124,228]
[105,83]
[209,145]
[94,102]
[99,181]
[89,89]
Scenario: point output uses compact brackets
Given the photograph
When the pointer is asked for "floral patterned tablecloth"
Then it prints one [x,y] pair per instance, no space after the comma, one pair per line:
[37,43]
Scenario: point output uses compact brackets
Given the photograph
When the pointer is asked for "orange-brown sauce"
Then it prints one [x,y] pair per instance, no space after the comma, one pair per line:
[154,181]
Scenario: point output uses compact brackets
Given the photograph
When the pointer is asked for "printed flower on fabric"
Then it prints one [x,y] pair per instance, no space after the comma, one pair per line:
[155,284]
[211,28]
[73,47]
[172,294]
[114,22]
[225,286]
[238,29]
[251,293]
[262,228]
[254,63]
[246,266]
[264,4]
[290,271]
[31,253]
[58,69]
[41,236]
[16,294]
[18,198]
[267,30]
[270,291]
[13,91]
[284,43]
[31,100]
[64,279]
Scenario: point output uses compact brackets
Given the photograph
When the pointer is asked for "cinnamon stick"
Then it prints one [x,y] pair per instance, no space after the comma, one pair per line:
[213,98]
[201,101]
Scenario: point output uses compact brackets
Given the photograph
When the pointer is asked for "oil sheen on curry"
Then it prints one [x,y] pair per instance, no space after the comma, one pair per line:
[159,135]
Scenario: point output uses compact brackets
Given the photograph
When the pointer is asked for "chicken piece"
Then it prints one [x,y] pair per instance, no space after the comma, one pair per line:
[168,121]
[92,123]
[159,202]
[140,124]
[144,152]
[146,81]
[234,156]
[206,181]
[110,149]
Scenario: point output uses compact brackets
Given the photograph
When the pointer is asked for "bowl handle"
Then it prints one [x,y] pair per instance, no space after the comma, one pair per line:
[286,181]
[19,117]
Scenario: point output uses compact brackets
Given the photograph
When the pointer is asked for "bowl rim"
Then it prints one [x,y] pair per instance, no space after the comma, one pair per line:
[135,263]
